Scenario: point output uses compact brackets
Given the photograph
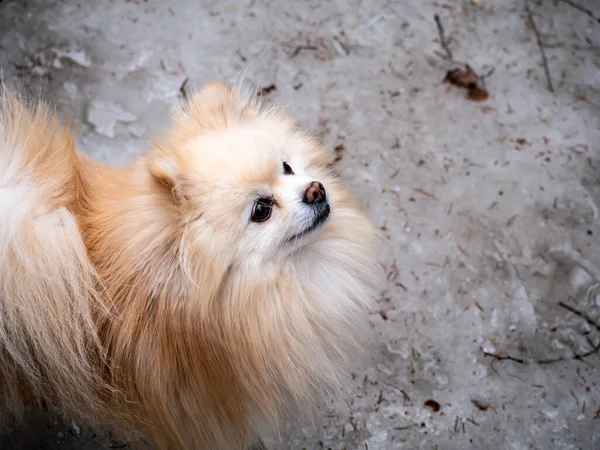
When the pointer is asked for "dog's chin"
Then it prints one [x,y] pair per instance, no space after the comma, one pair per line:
[311,231]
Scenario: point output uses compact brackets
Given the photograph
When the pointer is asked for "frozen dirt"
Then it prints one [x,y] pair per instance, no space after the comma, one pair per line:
[488,209]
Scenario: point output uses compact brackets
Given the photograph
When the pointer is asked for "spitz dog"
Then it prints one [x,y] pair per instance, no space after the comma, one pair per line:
[198,296]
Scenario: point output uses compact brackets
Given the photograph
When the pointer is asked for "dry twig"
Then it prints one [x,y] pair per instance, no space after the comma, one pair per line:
[576,356]
[540,44]
[298,49]
[584,316]
[444,42]
[501,357]
[583,10]
[182,90]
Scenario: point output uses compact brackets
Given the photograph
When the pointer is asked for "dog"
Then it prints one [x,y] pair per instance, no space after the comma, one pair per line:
[198,296]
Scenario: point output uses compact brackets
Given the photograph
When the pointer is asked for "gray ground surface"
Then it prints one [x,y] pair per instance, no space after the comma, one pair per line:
[489,209]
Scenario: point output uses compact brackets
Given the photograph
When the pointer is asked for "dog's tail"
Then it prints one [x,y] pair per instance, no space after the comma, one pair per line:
[49,350]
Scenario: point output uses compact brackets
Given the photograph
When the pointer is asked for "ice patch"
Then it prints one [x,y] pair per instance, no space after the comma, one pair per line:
[104,116]
[78,56]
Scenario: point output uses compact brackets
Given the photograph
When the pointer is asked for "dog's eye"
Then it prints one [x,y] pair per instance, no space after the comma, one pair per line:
[261,211]
[287,170]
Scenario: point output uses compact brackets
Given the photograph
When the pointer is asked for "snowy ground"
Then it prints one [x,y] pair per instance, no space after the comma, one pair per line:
[489,208]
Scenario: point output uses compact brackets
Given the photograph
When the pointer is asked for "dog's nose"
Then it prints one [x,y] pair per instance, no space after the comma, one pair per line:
[315,193]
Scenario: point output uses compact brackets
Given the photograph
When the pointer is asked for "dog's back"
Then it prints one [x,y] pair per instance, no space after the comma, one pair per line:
[49,350]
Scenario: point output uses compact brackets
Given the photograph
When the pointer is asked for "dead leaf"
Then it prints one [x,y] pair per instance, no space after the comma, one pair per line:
[267,90]
[480,405]
[476,94]
[339,150]
[435,406]
[466,77]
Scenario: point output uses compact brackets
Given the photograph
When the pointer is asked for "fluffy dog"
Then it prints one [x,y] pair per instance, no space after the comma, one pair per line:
[198,295]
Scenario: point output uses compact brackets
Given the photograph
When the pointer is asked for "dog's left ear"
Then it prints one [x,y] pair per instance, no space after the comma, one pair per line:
[164,170]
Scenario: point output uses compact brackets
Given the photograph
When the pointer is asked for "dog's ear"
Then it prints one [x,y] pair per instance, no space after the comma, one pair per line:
[212,95]
[218,106]
[165,171]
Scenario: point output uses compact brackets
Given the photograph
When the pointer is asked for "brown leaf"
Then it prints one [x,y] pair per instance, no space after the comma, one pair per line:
[339,149]
[267,90]
[477,94]
[462,77]
[435,406]
[481,406]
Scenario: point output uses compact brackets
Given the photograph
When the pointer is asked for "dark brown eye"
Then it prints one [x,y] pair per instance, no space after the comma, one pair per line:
[287,170]
[261,211]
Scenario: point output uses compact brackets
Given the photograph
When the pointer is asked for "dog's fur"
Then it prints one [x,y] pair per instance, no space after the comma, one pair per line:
[144,296]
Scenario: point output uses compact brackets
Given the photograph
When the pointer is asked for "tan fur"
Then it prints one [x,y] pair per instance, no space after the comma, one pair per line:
[49,290]
[212,334]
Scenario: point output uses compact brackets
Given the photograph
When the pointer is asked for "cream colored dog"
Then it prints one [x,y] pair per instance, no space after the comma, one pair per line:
[197,295]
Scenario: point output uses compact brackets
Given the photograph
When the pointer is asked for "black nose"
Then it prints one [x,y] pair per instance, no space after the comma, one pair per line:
[315,193]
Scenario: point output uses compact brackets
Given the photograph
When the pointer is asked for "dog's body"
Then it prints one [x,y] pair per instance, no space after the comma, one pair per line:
[198,295]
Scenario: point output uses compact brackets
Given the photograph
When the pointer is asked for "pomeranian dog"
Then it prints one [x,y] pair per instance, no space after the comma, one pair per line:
[198,296]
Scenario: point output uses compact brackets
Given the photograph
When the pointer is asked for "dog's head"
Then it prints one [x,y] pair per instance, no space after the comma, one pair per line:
[246,181]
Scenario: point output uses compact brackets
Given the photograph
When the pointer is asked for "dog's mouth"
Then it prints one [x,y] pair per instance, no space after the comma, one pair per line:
[320,218]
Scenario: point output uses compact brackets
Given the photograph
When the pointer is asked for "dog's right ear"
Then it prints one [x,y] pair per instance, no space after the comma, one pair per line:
[217,106]
[212,95]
